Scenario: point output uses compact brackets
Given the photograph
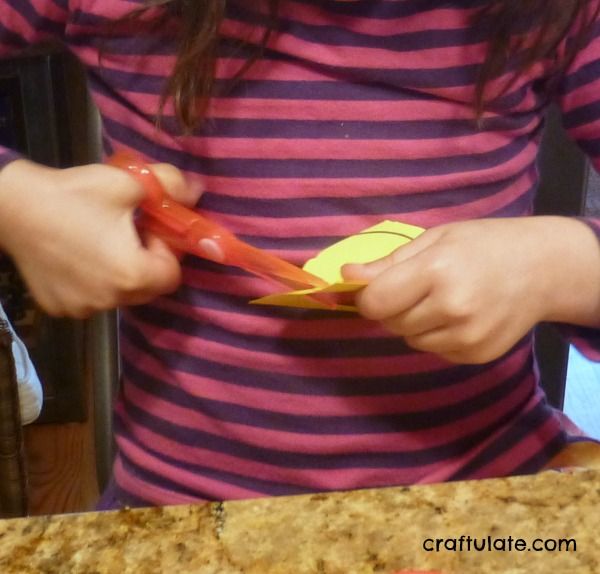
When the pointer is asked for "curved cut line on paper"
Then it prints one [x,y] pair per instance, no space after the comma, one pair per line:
[368,245]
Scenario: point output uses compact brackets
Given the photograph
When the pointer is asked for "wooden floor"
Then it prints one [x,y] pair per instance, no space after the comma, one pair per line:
[582,398]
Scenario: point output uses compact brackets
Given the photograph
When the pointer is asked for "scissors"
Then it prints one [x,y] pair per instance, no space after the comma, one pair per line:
[187,230]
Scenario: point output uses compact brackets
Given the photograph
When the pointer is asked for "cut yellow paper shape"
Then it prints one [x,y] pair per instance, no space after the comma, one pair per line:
[368,245]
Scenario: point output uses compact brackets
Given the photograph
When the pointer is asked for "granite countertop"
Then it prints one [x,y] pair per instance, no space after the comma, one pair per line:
[358,532]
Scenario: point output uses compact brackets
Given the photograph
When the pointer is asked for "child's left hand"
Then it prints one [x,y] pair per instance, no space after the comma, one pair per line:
[469,291]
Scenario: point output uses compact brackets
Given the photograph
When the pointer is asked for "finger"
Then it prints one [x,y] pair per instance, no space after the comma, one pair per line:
[368,271]
[421,318]
[159,270]
[176,185]
[458,345]
[480,356]
[148,235]
[206,247]
[394,291]
[439,341]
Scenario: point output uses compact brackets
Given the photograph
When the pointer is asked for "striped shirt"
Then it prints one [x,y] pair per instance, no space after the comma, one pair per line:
[357,112]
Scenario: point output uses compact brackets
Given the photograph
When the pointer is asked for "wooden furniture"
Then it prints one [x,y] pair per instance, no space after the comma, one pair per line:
[13,479]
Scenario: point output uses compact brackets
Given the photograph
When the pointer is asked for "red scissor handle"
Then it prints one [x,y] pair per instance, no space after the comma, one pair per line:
[189,231]
[179,226]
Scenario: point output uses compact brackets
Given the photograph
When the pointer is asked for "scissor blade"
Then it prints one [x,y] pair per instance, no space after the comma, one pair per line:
[266,265]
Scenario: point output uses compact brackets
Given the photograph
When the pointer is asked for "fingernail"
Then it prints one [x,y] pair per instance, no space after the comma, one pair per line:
[351,269]
[196,187]
[211,250]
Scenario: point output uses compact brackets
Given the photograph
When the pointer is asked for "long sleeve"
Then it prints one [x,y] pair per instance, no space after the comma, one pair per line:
[579,100]
[25,23]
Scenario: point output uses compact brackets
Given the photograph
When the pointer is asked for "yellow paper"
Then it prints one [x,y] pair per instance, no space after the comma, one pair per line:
[368,245]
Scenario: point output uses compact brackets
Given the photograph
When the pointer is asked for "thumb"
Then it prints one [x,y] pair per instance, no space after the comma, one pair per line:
[368,271]
[184,191]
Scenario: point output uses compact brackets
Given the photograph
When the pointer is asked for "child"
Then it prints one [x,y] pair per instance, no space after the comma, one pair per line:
[352,113]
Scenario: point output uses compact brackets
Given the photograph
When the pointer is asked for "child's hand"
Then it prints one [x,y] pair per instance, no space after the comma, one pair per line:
[72,235]
[469,291]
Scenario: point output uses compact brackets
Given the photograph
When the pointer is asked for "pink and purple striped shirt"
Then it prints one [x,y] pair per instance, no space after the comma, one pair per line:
[356,112]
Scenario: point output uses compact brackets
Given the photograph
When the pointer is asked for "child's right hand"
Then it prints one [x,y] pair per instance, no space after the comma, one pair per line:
[72,236]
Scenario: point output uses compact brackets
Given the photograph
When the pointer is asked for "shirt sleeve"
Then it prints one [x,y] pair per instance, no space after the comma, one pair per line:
[23,24]
[579,99]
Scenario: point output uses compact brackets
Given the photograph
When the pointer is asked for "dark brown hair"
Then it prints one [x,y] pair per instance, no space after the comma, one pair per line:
[518,32]
[523,32]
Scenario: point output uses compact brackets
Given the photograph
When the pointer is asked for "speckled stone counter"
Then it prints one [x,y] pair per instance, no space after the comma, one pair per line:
[342,533]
